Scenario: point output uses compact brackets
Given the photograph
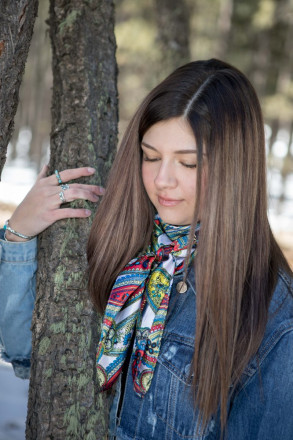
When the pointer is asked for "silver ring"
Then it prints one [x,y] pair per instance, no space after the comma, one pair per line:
[62,198]
[64,186]
[58,176]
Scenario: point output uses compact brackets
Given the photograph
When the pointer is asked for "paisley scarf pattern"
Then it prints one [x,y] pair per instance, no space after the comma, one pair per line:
[139,302]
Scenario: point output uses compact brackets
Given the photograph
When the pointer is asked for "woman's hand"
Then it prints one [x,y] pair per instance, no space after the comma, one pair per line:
[41,206]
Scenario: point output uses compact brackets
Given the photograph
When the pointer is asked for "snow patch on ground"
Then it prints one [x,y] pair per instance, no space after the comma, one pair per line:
[16,181]
[13,404]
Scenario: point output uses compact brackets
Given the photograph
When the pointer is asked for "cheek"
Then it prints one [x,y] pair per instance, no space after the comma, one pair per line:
[190,189]
[146,178]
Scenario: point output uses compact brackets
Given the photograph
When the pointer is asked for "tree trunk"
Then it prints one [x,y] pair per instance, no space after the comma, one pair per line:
[64,402]
[17,20]
[173,35]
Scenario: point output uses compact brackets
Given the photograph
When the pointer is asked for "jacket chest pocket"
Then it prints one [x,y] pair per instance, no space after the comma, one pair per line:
[173,398]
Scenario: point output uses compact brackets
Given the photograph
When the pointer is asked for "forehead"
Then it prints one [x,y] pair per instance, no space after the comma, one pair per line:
[174,134]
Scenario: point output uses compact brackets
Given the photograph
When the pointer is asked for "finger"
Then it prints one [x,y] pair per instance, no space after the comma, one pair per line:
[77,193]
[72,174]
[54,201]
[98,190]
[43,172]
[71,213]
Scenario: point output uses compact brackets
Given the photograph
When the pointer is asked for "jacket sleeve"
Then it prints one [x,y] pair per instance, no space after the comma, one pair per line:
[18,267]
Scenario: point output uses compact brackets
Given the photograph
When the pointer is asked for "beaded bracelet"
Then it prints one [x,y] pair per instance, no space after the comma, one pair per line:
[8,228]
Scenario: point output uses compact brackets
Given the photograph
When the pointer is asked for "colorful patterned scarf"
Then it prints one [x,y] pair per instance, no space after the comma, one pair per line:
[139,301]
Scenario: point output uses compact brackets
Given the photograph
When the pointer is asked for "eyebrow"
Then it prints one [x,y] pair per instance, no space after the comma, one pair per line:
[177,152]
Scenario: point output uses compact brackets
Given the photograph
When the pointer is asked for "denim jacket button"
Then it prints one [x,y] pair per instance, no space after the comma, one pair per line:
[181,287]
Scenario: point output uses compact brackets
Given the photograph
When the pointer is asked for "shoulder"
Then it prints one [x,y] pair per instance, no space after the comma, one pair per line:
[284,284]
[280,313]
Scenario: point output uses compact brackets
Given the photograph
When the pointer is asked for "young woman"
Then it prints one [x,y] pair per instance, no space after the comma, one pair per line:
[195,292]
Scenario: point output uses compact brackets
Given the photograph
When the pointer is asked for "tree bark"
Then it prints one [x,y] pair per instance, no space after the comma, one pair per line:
[64,402]
[173,35]
[17,20]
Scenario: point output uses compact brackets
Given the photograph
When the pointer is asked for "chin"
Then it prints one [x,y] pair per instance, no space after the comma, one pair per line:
[174,220]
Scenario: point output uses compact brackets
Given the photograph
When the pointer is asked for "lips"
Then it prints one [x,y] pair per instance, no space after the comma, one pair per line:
[168,202]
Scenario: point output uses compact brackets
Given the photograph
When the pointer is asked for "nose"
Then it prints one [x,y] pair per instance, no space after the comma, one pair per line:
[165,177]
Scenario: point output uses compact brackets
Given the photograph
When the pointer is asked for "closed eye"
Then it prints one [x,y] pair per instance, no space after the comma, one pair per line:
[150,159]
[187,165]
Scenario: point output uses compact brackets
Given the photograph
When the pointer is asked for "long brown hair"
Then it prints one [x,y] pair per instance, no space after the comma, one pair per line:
[238,257]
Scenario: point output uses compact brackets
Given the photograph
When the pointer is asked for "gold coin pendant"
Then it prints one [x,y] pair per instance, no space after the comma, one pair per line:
[181,287]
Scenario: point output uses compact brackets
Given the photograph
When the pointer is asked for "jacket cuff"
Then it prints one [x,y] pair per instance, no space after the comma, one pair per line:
[19,252]
[21,367]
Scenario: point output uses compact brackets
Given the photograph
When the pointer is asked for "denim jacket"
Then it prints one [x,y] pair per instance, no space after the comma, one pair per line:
[259,409]
[18,266]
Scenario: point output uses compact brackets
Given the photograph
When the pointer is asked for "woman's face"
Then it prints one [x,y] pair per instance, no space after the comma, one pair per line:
[169,170]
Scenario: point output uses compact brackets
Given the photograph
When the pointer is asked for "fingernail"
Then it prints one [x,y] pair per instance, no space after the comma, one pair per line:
[102,190]
[88,212]
[91,170]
